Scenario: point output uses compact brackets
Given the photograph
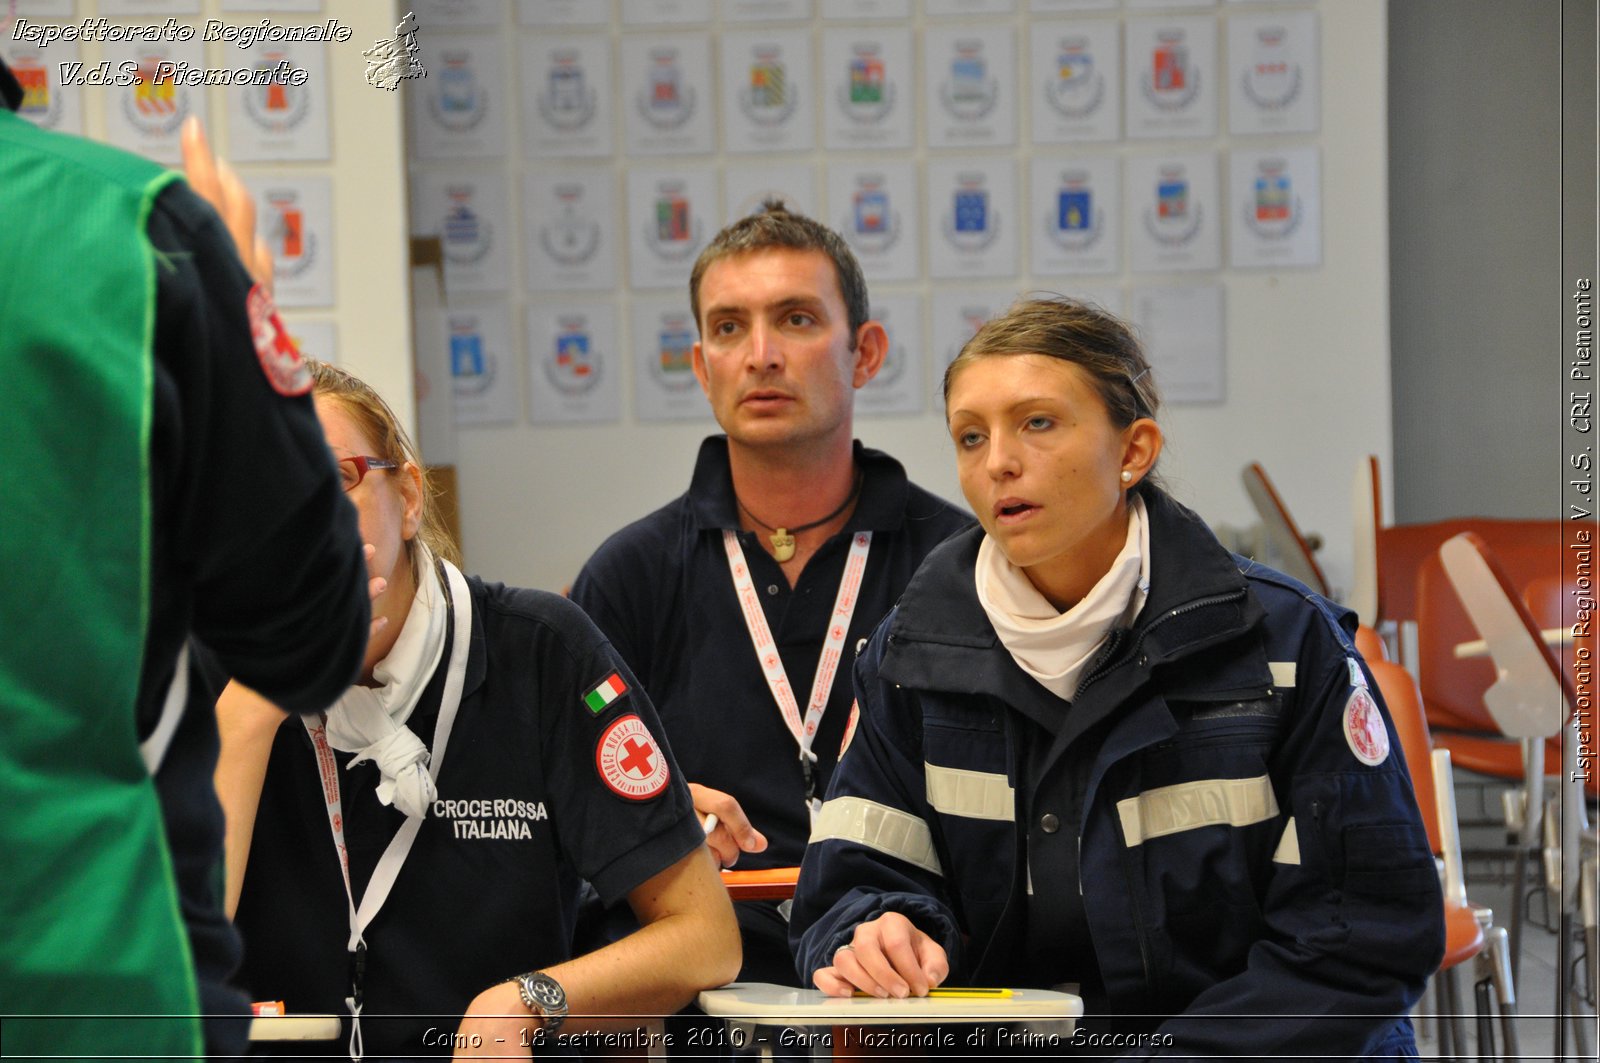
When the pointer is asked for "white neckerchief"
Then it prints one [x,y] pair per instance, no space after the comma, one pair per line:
[459,602]
[1052,646]
[371,721]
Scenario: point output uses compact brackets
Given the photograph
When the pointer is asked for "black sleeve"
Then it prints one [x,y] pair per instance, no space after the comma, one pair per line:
[613,588]
[621,805]
[247,506]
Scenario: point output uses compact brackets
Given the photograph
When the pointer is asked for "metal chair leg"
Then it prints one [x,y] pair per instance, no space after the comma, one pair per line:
[1441,1015]
[1495,971]
[1575,1005]
[1589,902]
[1441,1029]
[1450,1015]
[1484,1018]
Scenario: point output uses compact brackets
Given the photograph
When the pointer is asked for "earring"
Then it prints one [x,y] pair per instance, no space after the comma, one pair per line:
[1127,477]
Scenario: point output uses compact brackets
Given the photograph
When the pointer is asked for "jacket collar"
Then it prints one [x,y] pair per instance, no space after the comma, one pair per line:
[941,639]
[880,507]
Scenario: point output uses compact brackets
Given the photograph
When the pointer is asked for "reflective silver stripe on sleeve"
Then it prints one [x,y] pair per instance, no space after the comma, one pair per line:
[888,830]
[1203,803]
[1288,851]
[974,794]
[1282,673]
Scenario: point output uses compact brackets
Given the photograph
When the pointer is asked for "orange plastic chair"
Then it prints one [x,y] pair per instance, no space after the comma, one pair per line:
[1470,933]
[1534,696]
[1369,645]
[1453,688]
[1389,556]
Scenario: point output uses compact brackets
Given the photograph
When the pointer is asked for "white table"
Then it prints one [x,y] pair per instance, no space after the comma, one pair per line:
[294,1028]
[763,1019]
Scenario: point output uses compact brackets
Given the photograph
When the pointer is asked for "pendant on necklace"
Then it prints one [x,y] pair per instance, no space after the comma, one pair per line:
[782,544]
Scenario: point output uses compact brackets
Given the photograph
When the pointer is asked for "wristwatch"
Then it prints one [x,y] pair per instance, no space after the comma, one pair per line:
[544,997]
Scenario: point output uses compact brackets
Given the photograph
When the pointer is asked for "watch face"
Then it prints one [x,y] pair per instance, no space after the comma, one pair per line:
[548,993]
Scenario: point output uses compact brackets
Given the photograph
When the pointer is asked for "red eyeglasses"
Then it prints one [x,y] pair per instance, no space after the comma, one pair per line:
[353,470]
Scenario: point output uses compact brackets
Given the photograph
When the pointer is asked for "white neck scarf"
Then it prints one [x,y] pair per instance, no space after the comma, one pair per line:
[1052,646]
[371,721]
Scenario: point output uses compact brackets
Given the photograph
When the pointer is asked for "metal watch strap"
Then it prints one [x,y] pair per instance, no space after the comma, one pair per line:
[543,996]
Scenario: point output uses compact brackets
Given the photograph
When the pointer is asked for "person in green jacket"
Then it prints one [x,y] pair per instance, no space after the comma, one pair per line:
[169,513]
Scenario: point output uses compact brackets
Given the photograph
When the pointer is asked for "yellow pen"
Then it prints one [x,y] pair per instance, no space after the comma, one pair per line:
[969,991]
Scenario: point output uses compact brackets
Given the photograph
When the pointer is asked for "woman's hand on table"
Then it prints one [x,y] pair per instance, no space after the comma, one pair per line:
[887,957]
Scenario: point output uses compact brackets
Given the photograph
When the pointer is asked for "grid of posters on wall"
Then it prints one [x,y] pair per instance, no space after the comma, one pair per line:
[136,93]
[575,158]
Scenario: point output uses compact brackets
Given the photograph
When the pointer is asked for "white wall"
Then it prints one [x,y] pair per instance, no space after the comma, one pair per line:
[369,211]
[1307,376]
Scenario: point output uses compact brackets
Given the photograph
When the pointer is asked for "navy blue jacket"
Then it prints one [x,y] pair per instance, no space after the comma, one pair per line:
[1246,882]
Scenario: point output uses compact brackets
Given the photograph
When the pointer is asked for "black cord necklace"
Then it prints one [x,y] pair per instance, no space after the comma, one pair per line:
[782,539]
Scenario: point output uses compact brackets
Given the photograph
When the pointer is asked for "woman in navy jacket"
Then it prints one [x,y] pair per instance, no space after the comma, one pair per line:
[1097,751]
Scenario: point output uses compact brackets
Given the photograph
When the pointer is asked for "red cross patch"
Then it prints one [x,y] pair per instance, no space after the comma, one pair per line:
[629,760]
[1363,728]
[850,727]
[286,371]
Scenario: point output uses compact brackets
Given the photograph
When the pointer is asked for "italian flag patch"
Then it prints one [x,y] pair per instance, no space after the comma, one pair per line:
[610,689]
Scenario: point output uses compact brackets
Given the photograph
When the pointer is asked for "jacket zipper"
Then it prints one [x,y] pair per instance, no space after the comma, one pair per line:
[1105,665]
[1137,902]
[1106,659]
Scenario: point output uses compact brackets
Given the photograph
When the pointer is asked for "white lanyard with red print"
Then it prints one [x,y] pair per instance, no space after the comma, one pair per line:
[755,620]
[389,864]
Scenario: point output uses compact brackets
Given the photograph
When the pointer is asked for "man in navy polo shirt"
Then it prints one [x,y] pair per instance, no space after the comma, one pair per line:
[740,604]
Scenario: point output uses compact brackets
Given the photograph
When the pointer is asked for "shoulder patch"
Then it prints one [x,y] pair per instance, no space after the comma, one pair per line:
[1364,732]
[610,689]
[1358,678]
[629,760]
[280,359]
[850,727]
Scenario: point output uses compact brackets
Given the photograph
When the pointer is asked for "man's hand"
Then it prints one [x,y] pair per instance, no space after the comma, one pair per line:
[887,957]
[732,833]
[376,585]
[215,182]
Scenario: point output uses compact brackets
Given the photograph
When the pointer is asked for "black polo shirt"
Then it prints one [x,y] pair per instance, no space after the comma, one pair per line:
[661,591]
[491,886]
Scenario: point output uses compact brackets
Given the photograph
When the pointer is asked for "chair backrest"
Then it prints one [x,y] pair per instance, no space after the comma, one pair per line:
[1389,557]
[1530,696]
[1366,513]
[1452,687]
[1369,645]
[1400,694]
[1528,548]
[1294,553]
[1551,601]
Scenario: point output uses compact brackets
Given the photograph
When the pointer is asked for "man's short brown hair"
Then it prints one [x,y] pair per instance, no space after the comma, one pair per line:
[776,226]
